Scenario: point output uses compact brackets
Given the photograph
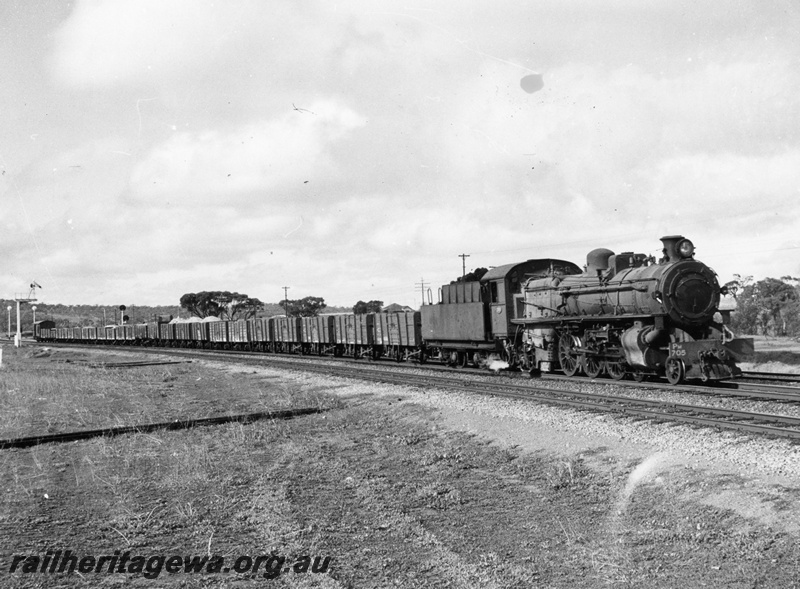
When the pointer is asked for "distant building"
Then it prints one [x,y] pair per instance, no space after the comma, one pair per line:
[395,308]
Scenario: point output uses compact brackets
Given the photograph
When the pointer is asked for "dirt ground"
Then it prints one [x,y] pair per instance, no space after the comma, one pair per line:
[396,491]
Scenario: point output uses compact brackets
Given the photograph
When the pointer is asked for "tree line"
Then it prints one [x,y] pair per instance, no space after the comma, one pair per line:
[80,315]
[233,305]
[766,307]
[224,305]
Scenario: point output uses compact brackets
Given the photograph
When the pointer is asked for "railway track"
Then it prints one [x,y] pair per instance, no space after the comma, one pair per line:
[784,426]
[748,390]
[752,384]
[751,375]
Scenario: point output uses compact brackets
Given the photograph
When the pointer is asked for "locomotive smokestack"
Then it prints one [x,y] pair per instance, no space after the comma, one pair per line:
[677,248]
[670,250]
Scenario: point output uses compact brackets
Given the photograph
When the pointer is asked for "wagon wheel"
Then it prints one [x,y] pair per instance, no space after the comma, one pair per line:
[592,366]
[451,358]
[675,370]
[638,374]
[398,354]
[567,355]
[616,369]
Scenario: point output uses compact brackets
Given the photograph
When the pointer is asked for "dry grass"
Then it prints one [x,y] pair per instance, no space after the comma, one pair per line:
[393,499]
[775,354]
[46,394]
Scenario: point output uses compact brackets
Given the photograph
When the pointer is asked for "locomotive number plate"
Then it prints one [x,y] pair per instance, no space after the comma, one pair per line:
[676,350]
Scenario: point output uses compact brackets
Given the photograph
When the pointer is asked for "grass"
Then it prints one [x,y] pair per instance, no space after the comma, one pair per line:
[390,496]
[775,354]
[57,392]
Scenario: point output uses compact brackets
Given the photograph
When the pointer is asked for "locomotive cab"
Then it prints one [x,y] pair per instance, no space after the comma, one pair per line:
[504,286]
[473,322]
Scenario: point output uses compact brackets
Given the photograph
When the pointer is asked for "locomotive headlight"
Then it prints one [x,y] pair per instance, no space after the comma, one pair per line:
[685,248]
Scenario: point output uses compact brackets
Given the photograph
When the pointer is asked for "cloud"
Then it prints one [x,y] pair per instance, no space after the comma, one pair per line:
[254,158]
[734,191]
[608,136]
[414,140]
[109,42]
[163,44]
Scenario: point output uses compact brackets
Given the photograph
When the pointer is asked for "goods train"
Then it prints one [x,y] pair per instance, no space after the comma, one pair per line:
[623,314]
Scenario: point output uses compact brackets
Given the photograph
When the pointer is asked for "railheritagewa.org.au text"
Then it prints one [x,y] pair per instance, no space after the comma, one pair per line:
[269,566]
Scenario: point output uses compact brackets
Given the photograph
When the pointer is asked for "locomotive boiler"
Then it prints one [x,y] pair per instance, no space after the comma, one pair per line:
[630,314]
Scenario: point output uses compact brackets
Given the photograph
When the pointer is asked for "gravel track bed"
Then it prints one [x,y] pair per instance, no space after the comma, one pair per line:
[768,456]
[714,398]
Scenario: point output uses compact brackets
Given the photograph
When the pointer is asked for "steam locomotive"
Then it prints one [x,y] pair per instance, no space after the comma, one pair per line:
[624,314]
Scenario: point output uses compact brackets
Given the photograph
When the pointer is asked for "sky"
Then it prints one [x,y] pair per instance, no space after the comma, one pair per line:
[353,150]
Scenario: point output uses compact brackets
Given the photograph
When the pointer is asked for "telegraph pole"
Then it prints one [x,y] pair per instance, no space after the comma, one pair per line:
[421,284]
[463,264]
[286,300]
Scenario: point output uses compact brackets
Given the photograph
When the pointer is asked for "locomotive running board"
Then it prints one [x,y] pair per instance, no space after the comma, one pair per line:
[582,319]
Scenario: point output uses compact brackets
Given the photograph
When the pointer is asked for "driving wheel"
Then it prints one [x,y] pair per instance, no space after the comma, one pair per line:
[568,354]
[616,369]
[592,366]
[675,370]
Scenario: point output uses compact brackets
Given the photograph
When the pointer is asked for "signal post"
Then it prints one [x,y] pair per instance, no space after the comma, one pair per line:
[20,298]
